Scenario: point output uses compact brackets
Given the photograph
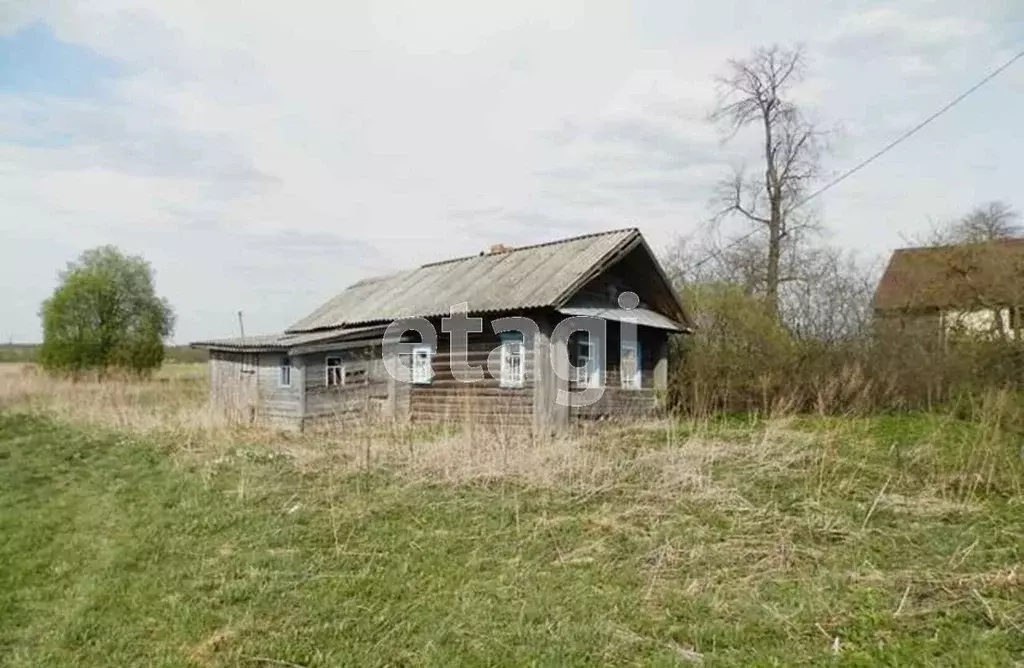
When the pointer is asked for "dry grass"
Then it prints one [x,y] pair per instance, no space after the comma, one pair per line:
[782,540]
[173,406]
[657,457]
[655,460]
[174,400]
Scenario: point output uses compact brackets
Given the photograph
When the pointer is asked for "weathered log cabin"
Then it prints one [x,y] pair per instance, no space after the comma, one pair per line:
[602,310]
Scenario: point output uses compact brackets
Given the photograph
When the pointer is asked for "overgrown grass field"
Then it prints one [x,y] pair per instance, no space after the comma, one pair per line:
[134,536]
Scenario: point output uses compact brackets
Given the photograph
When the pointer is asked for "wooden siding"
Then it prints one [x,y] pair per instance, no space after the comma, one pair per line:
[616,402]
[353,401]
[277,401]
[245,386]
[604,290]
[230,391]
[447,400]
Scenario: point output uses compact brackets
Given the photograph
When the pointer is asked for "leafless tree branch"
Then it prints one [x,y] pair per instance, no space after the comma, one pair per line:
[756,91]
[991,221]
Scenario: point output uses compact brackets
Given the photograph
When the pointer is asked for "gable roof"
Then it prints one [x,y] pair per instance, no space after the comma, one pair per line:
[538,276]
[968,275]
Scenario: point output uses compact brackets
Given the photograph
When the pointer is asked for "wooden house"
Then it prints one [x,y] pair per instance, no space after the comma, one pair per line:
[969,290]
[335,362]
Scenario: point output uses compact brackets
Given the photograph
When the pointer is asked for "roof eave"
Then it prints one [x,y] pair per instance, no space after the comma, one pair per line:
[264,348]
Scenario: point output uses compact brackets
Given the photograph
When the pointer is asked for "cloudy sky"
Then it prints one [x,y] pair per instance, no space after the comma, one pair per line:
[263,155]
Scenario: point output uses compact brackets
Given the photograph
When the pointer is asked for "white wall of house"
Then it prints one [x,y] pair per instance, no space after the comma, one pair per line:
[979,321]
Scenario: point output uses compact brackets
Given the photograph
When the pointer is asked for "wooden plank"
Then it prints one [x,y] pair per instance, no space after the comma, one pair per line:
[616,402]
[474,406]
[451,389]
[550,379]
[524,421]
[299,370]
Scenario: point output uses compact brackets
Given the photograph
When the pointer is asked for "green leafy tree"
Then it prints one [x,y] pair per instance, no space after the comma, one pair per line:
[105,314]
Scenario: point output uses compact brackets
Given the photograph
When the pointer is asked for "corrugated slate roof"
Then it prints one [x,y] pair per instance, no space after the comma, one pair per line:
[519,278]
[255,343]
[969,275]
[282,342]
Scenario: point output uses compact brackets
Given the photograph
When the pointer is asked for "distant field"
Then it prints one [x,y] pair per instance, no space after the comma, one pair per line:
[797,541]
[17,352]
[26,352]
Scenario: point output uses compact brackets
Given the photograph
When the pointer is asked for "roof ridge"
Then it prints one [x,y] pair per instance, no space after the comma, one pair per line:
[1004,241]
[515,249]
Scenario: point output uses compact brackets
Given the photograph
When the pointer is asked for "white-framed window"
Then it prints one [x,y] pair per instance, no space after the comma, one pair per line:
[585,355]
[335,371]
[422,368]
[630,367]
[512,359]
[284,372]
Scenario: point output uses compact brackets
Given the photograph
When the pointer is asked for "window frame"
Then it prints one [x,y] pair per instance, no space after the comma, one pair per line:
[422,352]
[284,371]
[580,376]
[634,382]
[586,376]
[507,378]
[340,367]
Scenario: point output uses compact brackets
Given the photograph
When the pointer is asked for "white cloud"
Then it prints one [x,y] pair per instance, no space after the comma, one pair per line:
[263,156]
[890,22]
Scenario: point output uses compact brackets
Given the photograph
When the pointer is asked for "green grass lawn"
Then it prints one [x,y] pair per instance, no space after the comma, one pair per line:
[855,551]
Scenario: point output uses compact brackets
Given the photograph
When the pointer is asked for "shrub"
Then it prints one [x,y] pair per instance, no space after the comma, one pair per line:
[740,359]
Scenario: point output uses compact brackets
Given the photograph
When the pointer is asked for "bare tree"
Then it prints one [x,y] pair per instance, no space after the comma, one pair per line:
[992,221]
[826,295]
[705,257]
[989,222]
[756,91]
[831,301]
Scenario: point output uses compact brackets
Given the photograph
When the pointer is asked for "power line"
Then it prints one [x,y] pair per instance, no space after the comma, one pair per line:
[735,242]
[885,149]
[911,132]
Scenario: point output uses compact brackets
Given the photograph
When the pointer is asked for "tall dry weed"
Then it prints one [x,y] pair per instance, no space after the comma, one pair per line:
[176,400]
[655,458]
